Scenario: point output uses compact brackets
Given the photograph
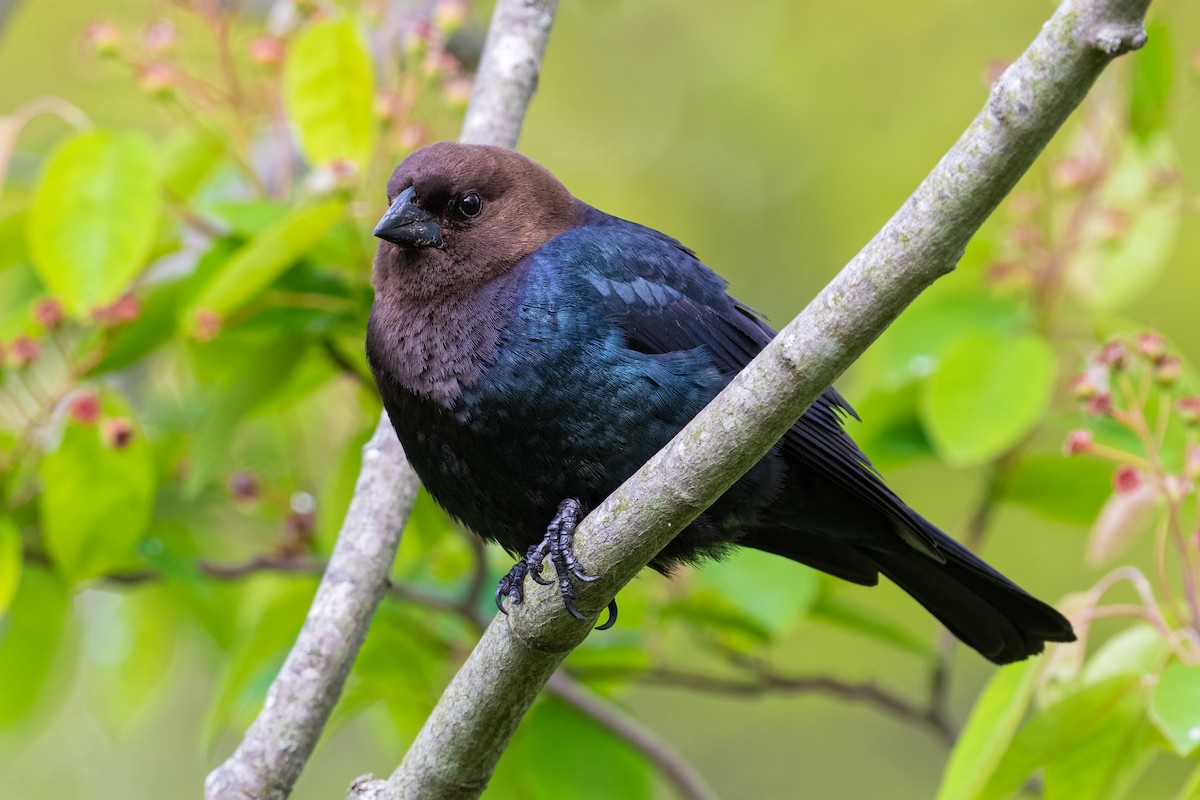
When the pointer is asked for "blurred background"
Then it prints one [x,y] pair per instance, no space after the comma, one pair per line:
[186,194]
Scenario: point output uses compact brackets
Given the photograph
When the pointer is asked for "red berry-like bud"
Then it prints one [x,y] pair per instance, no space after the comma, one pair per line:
[208,325]
[49,313]
[1079,441]
[244,486]
[25,350]
[117,432]
[1126,479]
[85,408]
[1114,355]
[1100,405]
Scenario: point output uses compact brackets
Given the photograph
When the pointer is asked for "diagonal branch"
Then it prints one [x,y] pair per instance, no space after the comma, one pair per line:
[455,753]
[277,745]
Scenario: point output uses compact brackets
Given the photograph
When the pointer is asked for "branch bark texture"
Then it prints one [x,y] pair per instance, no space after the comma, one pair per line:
[277,745]
[455,753]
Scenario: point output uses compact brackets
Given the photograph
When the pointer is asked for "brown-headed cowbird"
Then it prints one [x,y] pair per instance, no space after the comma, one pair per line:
[532,352]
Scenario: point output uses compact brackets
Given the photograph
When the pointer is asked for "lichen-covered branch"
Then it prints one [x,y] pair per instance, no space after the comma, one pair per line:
[276,746]
[270,758]
[455,753]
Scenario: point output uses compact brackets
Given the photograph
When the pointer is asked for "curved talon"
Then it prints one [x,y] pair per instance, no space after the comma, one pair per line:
[557,546]
[612,616]
[571,609]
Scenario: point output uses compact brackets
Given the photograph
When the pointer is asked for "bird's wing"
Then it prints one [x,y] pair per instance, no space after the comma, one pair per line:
[665,300]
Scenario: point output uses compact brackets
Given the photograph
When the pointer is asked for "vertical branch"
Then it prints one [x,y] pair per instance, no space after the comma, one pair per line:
[508,71]
[279,742]
[277,745]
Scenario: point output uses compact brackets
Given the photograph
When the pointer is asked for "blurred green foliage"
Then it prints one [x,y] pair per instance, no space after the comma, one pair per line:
[184,281]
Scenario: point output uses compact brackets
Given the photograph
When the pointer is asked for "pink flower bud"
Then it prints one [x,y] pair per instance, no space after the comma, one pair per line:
[1189,409]
[1076,172]
[116,432]
[85,408]
[1077,442]
[267,51]
[25,350]
[157,79]
[208,325]
[449,15]
[160,36]
[102,38]
[1126,479]
[49,313]
[1167,371]
[1114,355]
[1152,345]
[1100,405]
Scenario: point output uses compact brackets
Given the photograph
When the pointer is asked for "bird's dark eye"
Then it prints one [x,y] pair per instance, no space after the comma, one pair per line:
[471,205]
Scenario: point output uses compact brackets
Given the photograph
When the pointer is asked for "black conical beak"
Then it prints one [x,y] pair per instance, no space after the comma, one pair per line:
[408,225]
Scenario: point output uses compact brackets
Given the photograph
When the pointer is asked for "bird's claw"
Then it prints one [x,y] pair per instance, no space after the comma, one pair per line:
[558,546]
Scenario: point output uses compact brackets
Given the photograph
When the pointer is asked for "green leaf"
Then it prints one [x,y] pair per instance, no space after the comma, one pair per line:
[243,386]
[988,733]
[1191,789]
[987,393]
[96,499]
[1068,489]
[265,257]
[30,636]
[1151,72]
[844,613]
[260,653]
[10,562]
[142,626]
[1104,762]
[1175,707]
[601,764]
[329,92]
[1056,731]
[94,217]
[772,591]
[1111,269]
[912,347]
[192,155]
[1137,650]
[891,434]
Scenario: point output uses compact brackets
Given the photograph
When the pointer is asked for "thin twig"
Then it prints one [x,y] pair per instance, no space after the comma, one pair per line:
[671,765]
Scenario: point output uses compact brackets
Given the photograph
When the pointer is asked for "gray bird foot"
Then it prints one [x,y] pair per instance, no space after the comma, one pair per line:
[559,546]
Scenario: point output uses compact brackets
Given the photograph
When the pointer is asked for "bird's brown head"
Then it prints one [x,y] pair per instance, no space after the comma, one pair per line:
[462,214]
